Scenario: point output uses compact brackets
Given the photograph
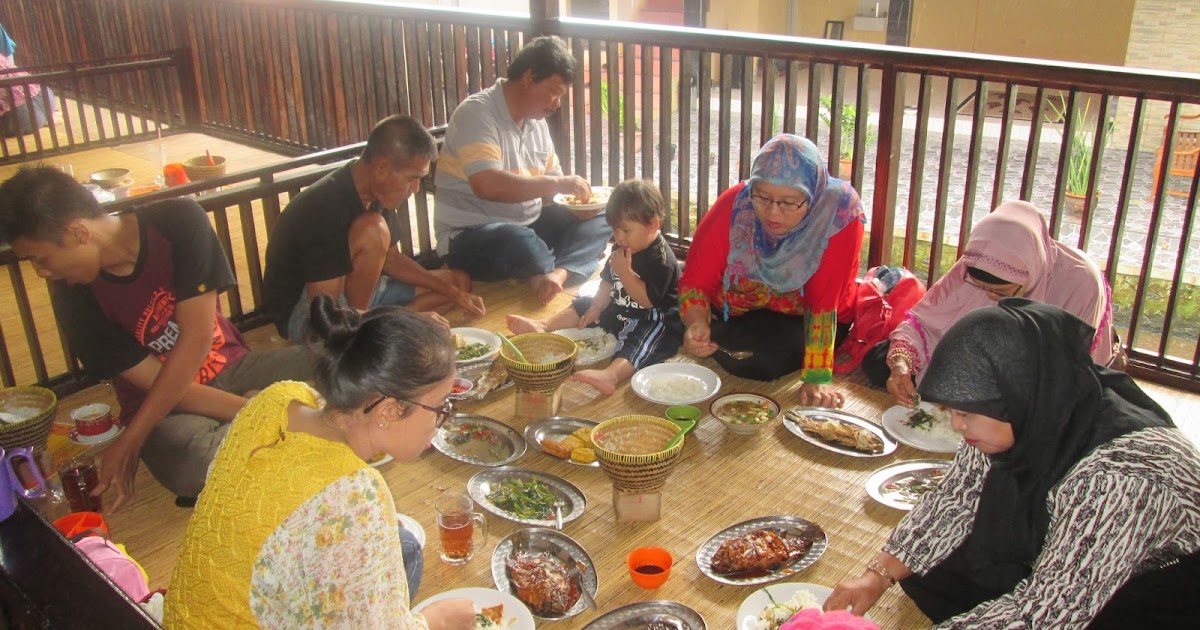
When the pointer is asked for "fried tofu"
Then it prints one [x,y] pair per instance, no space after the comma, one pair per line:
[556,448]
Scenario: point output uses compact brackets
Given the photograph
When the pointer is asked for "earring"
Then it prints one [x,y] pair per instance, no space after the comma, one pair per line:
[383,425]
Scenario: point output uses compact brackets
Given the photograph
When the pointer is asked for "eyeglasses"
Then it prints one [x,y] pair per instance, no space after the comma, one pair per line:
[443,413]
[996,293]
[763,202]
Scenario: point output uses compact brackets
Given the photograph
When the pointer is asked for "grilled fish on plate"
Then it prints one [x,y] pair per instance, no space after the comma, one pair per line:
[759,550]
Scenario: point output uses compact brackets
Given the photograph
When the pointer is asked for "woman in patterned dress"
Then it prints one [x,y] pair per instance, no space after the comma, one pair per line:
[1075,502]
[294,529]
[772,270]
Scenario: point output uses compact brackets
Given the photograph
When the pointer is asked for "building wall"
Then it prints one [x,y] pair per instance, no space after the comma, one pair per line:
[1164,35]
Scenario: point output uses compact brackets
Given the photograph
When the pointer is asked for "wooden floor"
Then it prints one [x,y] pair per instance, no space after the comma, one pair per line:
[722,479]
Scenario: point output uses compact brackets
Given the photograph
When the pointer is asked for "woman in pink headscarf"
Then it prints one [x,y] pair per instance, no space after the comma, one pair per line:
[1010,253]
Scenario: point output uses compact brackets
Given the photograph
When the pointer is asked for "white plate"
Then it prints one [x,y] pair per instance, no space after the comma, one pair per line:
[893,423]
[516,615]
[376,463]
[823,413]
[647,378]
[413,527]
[89,440]
[479,335]
[589,288]
[602,191]
[705,553]
[900,472]
[606,344]
[758,601]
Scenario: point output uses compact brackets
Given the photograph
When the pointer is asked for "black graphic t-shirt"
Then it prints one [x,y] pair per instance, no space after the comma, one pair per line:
[115,322]
[657,267]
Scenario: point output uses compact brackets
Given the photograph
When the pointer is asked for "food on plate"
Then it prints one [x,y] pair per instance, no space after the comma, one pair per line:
[473,351]
[746,411]
[543,583]
[490,617]
[933,422]
[377,457]
[777,613]
[599,195]
[576,447]
[495,377]
[583,455]
[677,388]
[761,550]
[839,432]
[524,499]
[460,387]
[584,435]
[477,441]
[911,488]
[556,448]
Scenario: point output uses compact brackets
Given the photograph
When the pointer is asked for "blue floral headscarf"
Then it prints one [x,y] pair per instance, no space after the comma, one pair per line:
[785,263]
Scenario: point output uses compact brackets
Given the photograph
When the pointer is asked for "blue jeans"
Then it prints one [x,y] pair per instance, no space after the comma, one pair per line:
[414,562]
[388,292]
[557,239]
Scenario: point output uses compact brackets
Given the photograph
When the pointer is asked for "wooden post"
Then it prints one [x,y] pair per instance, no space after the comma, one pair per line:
[543,16]
[887,166]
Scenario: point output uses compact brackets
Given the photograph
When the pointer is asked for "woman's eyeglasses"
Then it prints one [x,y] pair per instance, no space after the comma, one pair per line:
[993,292]
[443,413]
[763,202]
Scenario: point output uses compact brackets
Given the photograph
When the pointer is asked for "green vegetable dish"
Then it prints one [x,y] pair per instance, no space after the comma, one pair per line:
[524,499]
[473,351]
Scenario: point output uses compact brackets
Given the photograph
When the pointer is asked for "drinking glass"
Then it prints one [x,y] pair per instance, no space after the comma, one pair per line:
[457,525]
[79,477]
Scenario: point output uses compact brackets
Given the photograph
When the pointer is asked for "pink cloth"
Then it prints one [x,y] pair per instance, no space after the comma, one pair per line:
[1012,243]
[814,619]
[19,93]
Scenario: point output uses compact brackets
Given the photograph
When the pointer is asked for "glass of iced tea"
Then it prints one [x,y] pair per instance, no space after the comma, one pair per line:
[79,478]
[457,526]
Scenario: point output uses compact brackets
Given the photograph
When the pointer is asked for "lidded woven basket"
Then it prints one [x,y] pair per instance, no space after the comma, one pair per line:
[35,430]
[632,451]
[550,359]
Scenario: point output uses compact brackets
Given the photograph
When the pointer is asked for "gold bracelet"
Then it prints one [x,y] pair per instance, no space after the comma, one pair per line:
[874,566]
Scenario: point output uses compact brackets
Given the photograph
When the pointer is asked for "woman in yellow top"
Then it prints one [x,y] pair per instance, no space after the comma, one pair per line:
[293,529]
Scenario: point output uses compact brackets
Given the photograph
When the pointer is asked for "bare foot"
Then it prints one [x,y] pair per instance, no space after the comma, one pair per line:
[548,285]
[604,382]
[521,325]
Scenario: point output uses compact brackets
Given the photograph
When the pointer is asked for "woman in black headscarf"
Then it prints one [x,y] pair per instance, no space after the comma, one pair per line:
[1075,501]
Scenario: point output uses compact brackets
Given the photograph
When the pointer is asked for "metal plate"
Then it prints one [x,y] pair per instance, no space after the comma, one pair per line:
[508,445]
[705,553]
[899,472]
[889,445]
[559,545]
[483,483]
[641,615]
[475,371]
[556,428]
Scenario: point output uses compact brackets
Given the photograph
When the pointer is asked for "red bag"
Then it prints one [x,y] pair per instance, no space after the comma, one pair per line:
[876,315]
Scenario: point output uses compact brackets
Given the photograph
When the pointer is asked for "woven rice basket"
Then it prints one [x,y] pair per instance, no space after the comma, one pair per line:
[631,452]
[198,168]
[34,431]
[539,378]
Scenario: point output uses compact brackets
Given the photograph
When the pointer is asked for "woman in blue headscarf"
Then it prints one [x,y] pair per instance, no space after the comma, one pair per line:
[23,108]
[772,268]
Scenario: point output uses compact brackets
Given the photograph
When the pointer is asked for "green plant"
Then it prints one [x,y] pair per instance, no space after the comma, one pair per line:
[620,103]
[1082,143]
[849,119]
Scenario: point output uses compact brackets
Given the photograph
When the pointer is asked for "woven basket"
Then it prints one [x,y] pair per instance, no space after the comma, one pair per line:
[539,378]
[34,431]
[198,168]
[630,451]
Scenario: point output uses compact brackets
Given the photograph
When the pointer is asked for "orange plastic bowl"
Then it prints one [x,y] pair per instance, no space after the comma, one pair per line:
[649,567]
[77,523]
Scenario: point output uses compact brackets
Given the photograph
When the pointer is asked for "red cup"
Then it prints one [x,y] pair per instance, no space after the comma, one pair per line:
[92,420]
[649,567]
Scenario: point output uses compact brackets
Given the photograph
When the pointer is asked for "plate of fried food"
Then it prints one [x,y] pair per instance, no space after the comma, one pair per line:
[547,571]
[494,610]
[761,550]
[563,437]
[838,431]
[598,200]
[474,345]
[486,378]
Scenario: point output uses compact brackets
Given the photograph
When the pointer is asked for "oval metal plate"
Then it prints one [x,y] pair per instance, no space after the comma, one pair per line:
[642,614]
[704,554]
[512,441]
[889,445]
[559,545]
[484,482]
[900,470]
[556,428]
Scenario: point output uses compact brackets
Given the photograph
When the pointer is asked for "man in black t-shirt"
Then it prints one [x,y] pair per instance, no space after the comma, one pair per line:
[339,237]
[135,295]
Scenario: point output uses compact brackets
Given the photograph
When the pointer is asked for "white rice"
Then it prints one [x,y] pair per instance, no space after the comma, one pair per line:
[18,414]
[677,388]
[777,614]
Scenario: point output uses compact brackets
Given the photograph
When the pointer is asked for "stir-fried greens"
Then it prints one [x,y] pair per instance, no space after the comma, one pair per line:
[473,351]
[524,499]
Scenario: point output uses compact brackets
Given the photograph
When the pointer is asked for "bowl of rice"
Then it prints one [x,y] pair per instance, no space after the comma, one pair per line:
[675,383]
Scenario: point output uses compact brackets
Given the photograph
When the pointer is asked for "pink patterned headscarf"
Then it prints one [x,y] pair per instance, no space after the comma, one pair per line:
[1012,243]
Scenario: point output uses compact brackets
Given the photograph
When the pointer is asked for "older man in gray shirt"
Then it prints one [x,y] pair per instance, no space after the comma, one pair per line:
[498,169]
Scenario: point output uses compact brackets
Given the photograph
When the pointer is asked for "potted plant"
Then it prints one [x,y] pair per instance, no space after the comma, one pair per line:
[1081,145]
[848,119]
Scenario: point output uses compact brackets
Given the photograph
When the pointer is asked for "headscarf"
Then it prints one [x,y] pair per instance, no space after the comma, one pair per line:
[1013,243]
[1027,364]
[7,45]
[784,263]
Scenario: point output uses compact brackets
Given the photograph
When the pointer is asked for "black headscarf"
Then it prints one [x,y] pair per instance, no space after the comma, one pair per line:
[1028,364]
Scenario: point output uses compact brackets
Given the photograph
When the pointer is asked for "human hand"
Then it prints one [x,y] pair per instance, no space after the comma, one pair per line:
[821,395]
[118,468]
[450,614]
[697,340]
[590,317]
[900,384]
[437,319]
[621,261]
[858,594]
[576,186]
[471,304]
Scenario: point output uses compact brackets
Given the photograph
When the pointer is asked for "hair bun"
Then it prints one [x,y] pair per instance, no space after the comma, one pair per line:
[332,324]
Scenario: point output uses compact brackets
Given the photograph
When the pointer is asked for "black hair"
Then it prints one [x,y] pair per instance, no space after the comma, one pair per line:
[388,351]
[399,139]
[38,203]
[986,277]
[635,200]
[544,57]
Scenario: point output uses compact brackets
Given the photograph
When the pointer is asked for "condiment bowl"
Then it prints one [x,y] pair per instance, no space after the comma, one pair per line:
[109,177]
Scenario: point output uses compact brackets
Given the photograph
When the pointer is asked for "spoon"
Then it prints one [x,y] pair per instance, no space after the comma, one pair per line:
[514,348]
[737,355]
[558,509]
[684,427]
